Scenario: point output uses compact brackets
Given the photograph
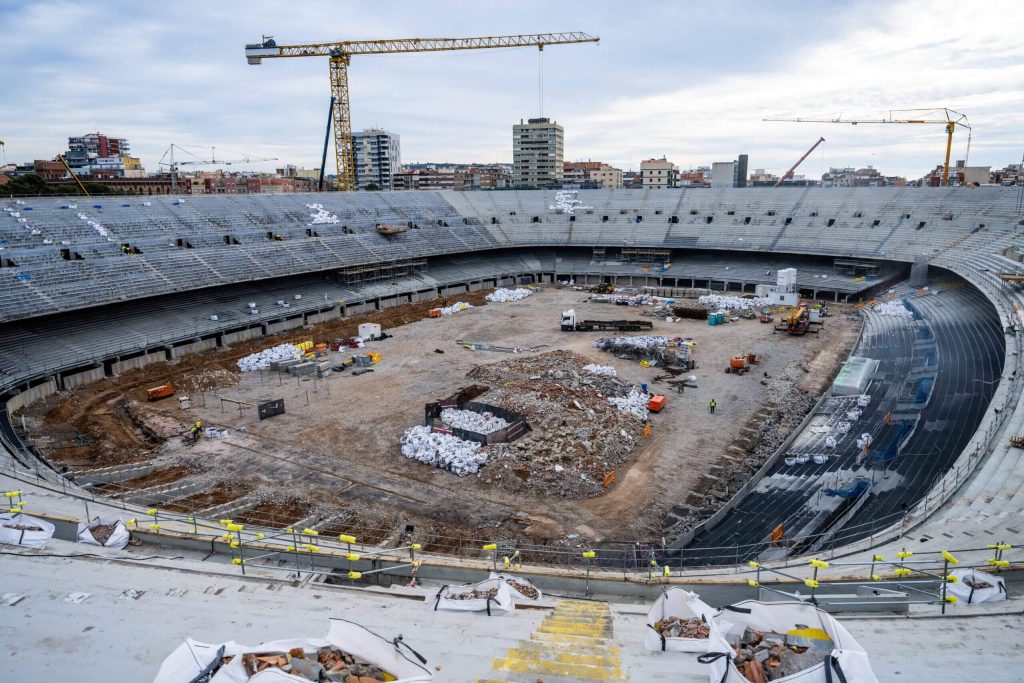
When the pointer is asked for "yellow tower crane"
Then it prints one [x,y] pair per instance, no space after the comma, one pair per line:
[942,116]
[340,55]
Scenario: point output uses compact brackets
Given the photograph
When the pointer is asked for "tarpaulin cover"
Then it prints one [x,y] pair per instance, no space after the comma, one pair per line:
[676,602]
[780,617]
[23,537]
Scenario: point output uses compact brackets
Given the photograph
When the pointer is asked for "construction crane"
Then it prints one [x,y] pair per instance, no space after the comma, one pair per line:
[789,174]
[196,160]
[340,56]
[946,117]
[64,161]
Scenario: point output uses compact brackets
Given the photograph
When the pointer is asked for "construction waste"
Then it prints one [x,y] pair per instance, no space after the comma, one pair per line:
[102,231]
[491,596]
[348,653]
[634,403]
[261,360]
[481,423]
[895,309]
[109,533]
[456,308]
[321,216]
[442,450]
[718,302]
[646,347]
[678,621]
[632,299]
[502,295]
[522,589]
[566,201]
[28,532]
[766,641]
[600,370]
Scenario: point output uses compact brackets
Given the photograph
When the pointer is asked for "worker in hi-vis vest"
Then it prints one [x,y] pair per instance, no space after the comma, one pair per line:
[711,406]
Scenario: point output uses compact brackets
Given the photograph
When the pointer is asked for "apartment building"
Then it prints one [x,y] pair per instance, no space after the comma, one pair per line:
[537,153]
[377,158]
[658,174]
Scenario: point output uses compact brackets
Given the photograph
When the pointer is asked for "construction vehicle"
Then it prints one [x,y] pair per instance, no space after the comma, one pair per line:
[162,391]
[766,317]
[571,324]
[340,53]
[797,322]
[740,365]
[656,403]
[603,288]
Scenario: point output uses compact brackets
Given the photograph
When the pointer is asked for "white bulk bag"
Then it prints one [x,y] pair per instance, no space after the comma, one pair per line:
[676,602]
[965,593]
[118,539]
[11,535]
[191,659]
[847,655]
[502,603]
[518,595]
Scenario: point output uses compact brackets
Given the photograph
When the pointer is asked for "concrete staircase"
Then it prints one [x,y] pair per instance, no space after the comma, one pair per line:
[573,643]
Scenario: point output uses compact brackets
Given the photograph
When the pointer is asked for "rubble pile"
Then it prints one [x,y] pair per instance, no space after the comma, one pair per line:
[632,299]
[102,532]
[718,302]
[523,588]
[678,627]
[261,360]
[502,295]
[442,450]
[21,527]
[330,664]
[481,423]
[895,309]
[577,436]
[473,594]
[601,370]
[648,347]
[770,656]
[456,308]
[321,216]
[634,403]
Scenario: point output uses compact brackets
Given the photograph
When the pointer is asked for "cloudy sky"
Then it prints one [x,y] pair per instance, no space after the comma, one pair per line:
[692,81]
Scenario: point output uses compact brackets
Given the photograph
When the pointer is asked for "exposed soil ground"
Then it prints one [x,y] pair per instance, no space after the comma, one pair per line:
[334,455]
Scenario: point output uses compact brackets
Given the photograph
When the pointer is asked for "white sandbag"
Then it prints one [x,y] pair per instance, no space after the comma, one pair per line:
[261,360]
[676,602]
[442,450]
[863,400]
[522,589]
[447,598]
[502,295]
[481,423]
[28,532]
[456,308]
[895,309]
[599,370]
[830,441]
[635,403]
[321,216]
[728,624]
[716,302]
[973,586]
[117,539]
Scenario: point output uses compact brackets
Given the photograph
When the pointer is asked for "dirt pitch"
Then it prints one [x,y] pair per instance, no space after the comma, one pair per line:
[337,447]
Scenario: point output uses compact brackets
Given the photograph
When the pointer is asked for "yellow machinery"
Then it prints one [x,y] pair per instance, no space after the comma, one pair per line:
[944,117]
[72,174]
[340,55]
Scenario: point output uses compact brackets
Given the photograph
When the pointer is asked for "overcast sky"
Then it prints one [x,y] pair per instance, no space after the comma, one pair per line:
[691,81]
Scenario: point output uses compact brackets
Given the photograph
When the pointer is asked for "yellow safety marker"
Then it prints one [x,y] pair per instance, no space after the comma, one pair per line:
[902,571]
[876,577]
[235,527]
[752,583]
[310,532]
[235,544]
[225,522]
[810,583]
[589,555]
[754,565]
[952,578]
[904,554]
[133,521]
[507,560]
[355,575]
[819,564]
[998,563]
[999,546]
[878,558]
[151,511]
[226,537]
[951,599]
[948,556]
[259,535]
[416,546]
[236,561]
[352,557]
[154,526]
[667,572]
[12,494]
[16,508]
[490,546]
[312,548]
[344,538]
[190,519]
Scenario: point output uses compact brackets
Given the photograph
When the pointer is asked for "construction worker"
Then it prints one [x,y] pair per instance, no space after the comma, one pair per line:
[711,406]
[197,430]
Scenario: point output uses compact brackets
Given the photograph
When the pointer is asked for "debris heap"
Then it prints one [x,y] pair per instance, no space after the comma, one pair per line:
[502,295]
[601,370]
[895,309]
[321,216]
[456,308]
[718,302]
[442,450]
[634,403]
[481,423]
[261,360]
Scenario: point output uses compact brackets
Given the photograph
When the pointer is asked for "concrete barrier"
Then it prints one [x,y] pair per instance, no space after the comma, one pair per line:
[284,325]
[31,395]
[317,318]
[194,347]
[122,366]
[80,379]
[241,335]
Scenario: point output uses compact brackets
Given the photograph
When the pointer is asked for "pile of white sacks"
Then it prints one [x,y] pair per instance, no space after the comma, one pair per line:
[641,342]
[481,423]
[502,295]
[442,450]
[599,370]
[455,308]
[895,309]
[321,215]
[717,302]
[96,226]
[262,359]
[635,403]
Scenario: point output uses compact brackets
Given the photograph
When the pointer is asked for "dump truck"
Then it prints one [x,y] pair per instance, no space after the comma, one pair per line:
[571,324]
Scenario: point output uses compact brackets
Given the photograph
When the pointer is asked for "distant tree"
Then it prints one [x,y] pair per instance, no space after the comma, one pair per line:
[33,184]
[371,187]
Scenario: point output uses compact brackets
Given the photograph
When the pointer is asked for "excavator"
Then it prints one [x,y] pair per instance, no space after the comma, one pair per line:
[797,322]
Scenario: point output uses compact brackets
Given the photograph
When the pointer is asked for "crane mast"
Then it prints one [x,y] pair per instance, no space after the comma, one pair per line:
[789,174]
[340,54]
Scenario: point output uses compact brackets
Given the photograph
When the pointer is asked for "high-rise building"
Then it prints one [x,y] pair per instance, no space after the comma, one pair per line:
[377,158]
[537,153]
[729,173]
[658,174]
[96,154]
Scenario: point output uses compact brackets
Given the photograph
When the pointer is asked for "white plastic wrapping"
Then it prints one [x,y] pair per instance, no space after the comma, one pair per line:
[321,216]
[635,403]
[676,602]
[481,423]
[502,603]
[716,302]
[118,539]
[442,450]
[895,309]
[966,593]
[456,308]
[36,536]
[781,617]
[599,370]
[261,360]
[502,295]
